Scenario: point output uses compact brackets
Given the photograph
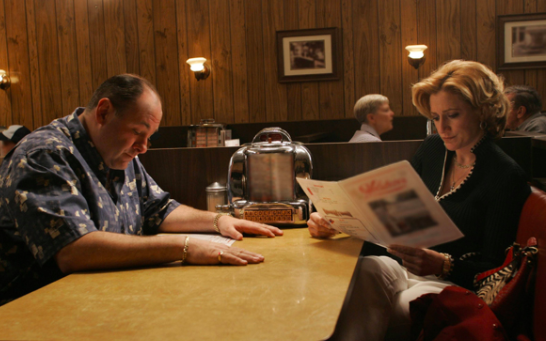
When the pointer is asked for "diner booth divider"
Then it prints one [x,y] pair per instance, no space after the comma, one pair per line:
[314,131]
[186,172]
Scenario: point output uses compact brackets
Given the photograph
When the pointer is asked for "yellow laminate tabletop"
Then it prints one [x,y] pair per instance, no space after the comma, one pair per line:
[296,294]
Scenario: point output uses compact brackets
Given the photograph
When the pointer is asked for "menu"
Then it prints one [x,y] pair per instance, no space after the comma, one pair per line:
[388,205]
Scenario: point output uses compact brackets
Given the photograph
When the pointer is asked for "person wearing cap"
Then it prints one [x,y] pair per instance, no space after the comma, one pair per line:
[75,197]
[2,128]
[10,137]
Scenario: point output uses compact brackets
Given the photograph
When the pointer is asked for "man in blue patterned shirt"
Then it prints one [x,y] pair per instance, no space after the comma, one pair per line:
[74,197]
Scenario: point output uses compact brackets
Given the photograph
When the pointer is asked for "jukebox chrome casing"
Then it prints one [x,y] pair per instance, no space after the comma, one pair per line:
[262,182]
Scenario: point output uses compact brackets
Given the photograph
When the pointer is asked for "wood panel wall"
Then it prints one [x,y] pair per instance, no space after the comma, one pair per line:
[58,51]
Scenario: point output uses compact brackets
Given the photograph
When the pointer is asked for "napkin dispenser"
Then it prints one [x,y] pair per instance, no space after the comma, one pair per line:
[207,134]
[262,182]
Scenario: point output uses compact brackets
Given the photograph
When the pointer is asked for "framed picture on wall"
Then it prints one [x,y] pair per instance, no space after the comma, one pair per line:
[521,41]
[308,55]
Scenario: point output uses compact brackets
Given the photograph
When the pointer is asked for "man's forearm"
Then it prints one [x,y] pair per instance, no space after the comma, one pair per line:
[106,250]
[188,219]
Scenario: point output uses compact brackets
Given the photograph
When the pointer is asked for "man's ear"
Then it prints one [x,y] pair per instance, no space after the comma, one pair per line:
[104,111]
[521,112]
[370,118]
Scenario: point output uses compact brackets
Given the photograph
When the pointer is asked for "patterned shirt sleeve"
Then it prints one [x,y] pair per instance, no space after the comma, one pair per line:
[155,203]
[48,208]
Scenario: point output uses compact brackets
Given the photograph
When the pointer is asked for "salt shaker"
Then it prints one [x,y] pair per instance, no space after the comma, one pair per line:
[216,195]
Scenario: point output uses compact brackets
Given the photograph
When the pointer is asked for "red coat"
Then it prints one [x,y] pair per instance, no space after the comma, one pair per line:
[454,314]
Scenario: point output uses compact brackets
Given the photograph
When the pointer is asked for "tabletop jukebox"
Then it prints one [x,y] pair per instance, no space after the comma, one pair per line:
[262,182]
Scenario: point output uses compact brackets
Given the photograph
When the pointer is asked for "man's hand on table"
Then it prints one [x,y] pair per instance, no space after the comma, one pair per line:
[234,228]
[203,252]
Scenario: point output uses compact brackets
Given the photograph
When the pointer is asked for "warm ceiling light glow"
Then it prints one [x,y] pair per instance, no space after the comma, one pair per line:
[416,51]
[198,66]
[5,82]
[416,55]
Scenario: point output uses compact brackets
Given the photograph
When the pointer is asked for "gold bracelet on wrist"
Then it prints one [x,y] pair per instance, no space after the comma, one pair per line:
[185,253]
[447,266]
[215,224]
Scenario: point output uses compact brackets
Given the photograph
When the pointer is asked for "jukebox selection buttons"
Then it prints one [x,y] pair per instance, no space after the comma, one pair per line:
[264,216]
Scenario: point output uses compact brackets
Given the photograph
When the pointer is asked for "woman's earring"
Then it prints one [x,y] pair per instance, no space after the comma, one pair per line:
[483,125]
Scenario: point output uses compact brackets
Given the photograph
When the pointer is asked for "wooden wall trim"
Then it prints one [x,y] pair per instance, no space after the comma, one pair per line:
[59,51]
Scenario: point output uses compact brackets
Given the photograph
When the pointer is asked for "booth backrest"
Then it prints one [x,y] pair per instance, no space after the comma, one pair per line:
[533,224]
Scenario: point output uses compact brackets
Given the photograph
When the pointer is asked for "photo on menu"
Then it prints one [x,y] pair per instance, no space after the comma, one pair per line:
[402,213]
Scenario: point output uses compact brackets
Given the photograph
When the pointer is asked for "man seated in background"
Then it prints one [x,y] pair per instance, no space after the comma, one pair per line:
[75,197]
[10,137]
[375,116]
[2,128]
[524,112]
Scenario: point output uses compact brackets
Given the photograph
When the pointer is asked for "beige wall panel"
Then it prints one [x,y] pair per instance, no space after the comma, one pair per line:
[114,27]
[166,57]
[408,10]
[255,59]
[132,59]
[331,92]
[18,62]
[97,42]
[512,7]
[486,53]
[221,55]
[309,90]
[61,50]
[390,52]
[468,29]
[34,66]
[366,47]
[146,45]
[531,76]
[184,72]
[66,32]
[5,96]
[48,55]
[426,33]
[239,60]
[348,56]
[199,25]
[541,73]
[275,92]
[448,30]
[85,77]
[293,90]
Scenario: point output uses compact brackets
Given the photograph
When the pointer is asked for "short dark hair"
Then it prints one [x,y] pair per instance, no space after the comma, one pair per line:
[525,96]
[122,90]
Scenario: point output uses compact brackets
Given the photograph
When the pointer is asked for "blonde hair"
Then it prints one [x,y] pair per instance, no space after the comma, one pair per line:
[368,105]
[475,83]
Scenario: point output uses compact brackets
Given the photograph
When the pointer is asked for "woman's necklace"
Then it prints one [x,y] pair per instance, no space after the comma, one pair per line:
[453,182]
[460,165]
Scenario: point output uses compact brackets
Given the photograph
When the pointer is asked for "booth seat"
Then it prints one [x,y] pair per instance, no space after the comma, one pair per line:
[532,224]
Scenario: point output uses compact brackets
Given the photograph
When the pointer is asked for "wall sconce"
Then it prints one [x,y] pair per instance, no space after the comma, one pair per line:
[5,82]
[198,66]
[416,55]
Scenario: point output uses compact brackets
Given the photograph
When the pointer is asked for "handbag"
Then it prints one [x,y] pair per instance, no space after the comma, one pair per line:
[506,288]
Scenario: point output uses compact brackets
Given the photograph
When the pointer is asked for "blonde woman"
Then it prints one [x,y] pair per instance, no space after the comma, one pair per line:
[481,188]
